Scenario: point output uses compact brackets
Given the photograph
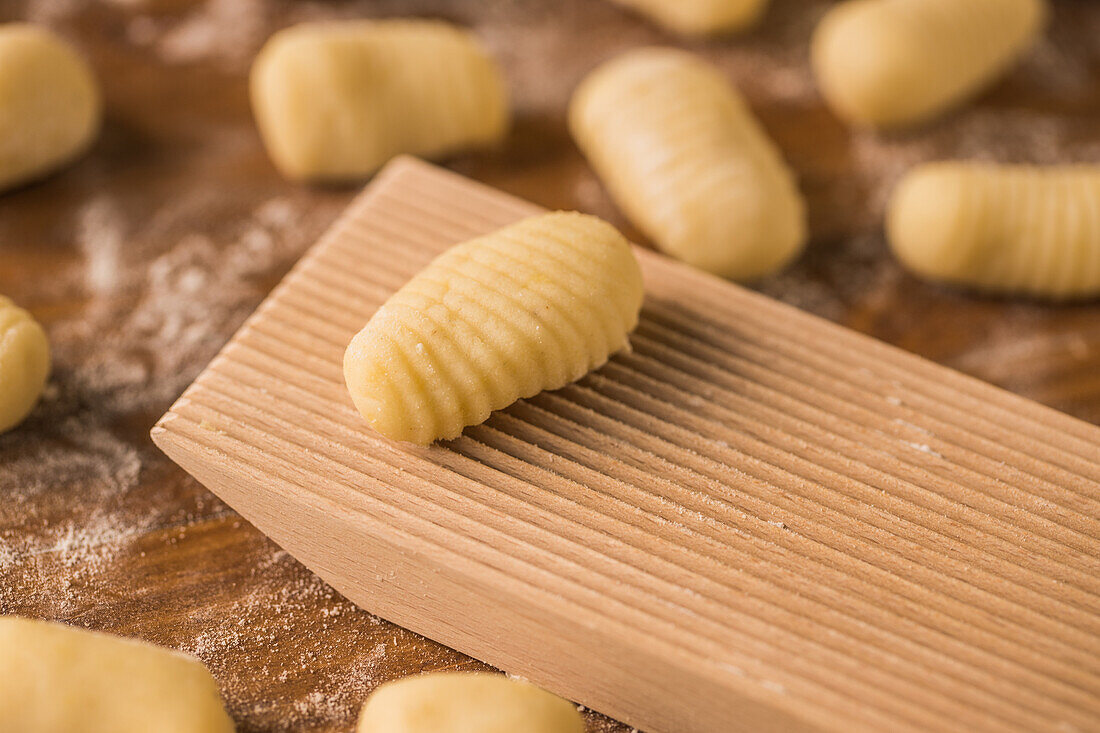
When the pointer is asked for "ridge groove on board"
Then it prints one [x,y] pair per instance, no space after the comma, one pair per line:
[1043,599]
[549,578]
[791,457]
[1086,660]
[869,688]
[824,528]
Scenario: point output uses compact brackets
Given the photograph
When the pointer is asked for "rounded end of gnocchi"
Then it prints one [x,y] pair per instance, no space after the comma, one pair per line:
[454,701]
[762,235]
[902,62]
[701,18]
[24,363]
[1027,230]
[50,100]
[863,66]
[924,219]
[766,237]
[371,363]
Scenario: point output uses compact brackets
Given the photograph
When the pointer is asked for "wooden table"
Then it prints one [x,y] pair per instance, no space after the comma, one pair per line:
[143,258]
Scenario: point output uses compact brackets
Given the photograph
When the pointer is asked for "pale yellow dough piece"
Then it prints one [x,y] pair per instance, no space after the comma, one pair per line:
[530,307]
[24,363]
[890,63]
[59,679]
[49,103]
[700,17]
[466,703]
[684,158]
[336,100]
[1006,229]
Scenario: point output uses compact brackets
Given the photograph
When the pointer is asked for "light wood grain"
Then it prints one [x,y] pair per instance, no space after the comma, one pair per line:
[757,520]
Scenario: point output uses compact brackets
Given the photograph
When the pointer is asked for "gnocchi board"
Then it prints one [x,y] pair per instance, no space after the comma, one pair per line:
[756,520]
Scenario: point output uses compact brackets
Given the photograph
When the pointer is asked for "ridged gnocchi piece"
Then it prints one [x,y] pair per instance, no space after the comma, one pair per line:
[334,101]
[24,363]
[700,17]
[61,679]
[1006,229]
[890,63]
[49,103]
[686,161]
[530,307]
[464,703]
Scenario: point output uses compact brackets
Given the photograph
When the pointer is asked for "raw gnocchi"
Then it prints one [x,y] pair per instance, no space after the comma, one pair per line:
[683,157]
[335,101]
[700,17]
[889,63]
[530,307]
[24,363]
[1009,229]
[49,103]
[59,679]
[466,702]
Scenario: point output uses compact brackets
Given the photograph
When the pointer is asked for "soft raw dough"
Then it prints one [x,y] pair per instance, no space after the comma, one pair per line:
[888,63]
[24,363]
[466,703]
[335,101]
[684,158]
[59,679]
[1010,229]
[700,17]
[530,307]
[49,103]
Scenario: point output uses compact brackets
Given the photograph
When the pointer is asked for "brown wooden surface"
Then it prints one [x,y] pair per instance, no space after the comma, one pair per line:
[753,521]
[142,260]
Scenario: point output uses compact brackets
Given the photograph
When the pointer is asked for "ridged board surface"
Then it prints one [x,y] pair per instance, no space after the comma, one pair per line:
[757,520]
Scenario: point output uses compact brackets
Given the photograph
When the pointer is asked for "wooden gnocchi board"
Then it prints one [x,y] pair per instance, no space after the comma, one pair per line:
[757,520]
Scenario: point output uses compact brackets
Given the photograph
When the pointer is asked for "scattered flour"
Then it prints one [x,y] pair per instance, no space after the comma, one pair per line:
[162,299]
[923,448]
[227,32]
[291,653]
[48,11]
[99,234]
